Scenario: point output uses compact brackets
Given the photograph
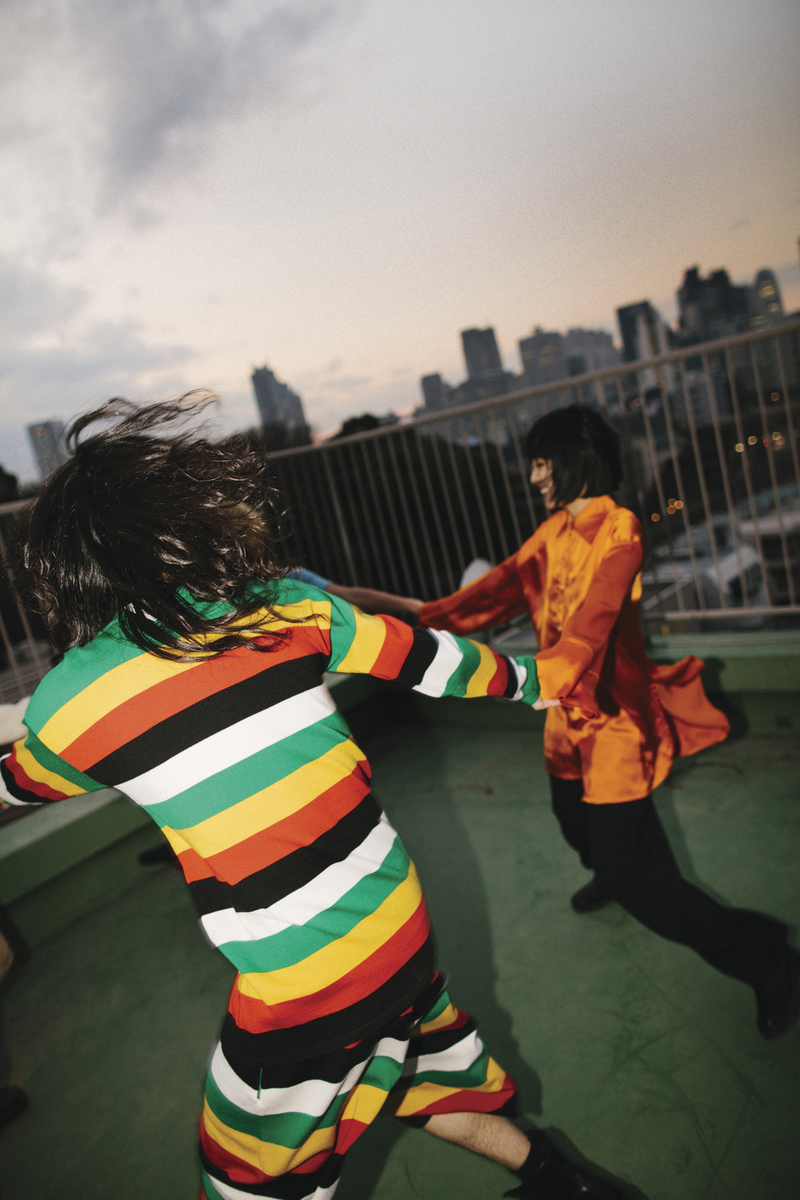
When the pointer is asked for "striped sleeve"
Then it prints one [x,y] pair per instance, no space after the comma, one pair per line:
[32,774]
[426,660]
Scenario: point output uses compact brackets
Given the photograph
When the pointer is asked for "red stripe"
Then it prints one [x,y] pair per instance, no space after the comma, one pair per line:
[256,1016]
[350,1130]
[170,696]
[395,649]
[284,837]
[194,867]
[499,681]
[237,1169]
[26,784]
[465,1100]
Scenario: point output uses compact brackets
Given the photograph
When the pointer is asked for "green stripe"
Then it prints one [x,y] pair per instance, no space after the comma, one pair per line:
[437,1010]
[233,784]
[52,762]
[343,631]
[289,1129]
[530,688]
[209,1191]
[458,682]
[299,942]
[79,668]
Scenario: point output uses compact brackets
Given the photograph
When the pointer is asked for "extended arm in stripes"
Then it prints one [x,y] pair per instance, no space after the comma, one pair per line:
[429,661]
[32,774]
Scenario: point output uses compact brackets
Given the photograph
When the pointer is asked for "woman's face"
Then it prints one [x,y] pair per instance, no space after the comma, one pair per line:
[542,478]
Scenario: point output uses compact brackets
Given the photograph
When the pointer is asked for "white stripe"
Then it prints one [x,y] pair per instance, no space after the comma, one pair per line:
[231,1193]
[456,1058]
[229,746]
[447,660]
[312,1097]
[522,675]
[306,903]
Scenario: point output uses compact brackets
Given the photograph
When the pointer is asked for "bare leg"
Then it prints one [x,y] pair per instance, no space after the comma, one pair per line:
[483,1133]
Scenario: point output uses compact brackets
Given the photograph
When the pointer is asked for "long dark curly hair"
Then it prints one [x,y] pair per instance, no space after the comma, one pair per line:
[156,525]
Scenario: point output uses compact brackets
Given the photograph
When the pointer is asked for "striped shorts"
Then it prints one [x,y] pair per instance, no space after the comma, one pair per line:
[283,1131]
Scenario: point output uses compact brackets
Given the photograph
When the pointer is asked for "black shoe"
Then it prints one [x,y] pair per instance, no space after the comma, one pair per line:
[778,998]
[588,898]
[13,1103]
[547,1174]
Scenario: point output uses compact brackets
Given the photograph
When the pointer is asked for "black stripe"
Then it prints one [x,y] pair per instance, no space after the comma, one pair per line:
[441,1039]
[419,658]
[359,1020]
[291,1186]
[276,682]
[24,795]
[285,876]
[512,683]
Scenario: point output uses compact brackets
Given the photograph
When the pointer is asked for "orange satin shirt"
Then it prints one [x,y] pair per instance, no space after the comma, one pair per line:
[622,718]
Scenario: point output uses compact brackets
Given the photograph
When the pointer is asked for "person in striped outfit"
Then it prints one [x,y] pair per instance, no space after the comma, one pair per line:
[191,679]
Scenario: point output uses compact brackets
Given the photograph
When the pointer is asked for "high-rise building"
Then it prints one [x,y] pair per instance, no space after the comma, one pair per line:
[481,353]
[49,446]
[277,403]
[547,357]
[437,393]
[643,333]
[711,308]
[765,299]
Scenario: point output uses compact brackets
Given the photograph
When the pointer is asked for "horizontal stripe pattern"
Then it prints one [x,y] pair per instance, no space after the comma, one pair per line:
[245,763]
[284,1132]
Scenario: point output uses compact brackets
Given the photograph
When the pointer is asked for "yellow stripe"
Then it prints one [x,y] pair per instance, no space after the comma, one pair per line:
[40,774]
[138,674]
[483,674]
[274,803]
[367,644]
[339,957]
[364,1103]
[446,1017]
[269,1157]
[419,1097]
[106,693]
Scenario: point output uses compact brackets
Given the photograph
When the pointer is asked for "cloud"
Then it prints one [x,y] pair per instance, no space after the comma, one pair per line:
[127,90]
[49,365]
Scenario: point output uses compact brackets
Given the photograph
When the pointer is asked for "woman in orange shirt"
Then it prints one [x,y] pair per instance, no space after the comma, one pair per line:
[615,720]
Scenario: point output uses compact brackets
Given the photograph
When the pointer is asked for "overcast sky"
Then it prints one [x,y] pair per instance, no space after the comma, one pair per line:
[191,188]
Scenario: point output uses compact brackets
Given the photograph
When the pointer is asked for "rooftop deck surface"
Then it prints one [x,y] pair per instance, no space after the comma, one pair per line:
[631,1048]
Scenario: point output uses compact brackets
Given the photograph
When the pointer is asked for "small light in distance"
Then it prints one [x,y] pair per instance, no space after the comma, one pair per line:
[752,440]
[740,447]
[655,516]
[775,396]
[679,504]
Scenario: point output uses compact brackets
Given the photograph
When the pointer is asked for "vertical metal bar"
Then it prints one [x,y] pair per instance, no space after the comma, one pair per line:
[476,488]
[359,527]
[737,416]
[651,446]
[389,558]
[407,587]
[687,527]
[41,667]
[422,523]
[460,490]
[524,471]
[773,474]
[410,526]
[452,574]
[490,488]
[790,429]
[507,485]
[321,526]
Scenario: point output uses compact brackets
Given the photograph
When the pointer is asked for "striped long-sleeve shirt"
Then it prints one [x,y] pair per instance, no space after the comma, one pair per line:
[252,774]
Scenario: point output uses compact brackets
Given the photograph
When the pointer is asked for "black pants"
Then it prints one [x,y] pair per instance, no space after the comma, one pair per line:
[626,847]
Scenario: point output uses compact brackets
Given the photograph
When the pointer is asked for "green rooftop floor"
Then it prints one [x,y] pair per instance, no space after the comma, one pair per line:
[630,1047]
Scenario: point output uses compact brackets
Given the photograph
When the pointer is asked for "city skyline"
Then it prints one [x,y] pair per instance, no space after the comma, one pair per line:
[338,188]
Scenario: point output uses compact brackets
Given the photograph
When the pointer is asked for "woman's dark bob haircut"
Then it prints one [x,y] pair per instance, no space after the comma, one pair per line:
[584,451]
[153,524]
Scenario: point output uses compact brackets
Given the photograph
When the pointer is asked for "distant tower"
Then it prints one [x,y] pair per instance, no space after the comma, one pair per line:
[436,391]
[277,403]
[481,353]
[711,308]
[643,333]
[49,446]
[766,299]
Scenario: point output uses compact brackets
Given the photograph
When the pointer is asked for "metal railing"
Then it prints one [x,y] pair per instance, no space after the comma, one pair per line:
[711,456]
[710,447]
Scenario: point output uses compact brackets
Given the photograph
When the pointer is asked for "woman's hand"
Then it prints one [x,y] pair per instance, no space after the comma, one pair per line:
[541,703]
